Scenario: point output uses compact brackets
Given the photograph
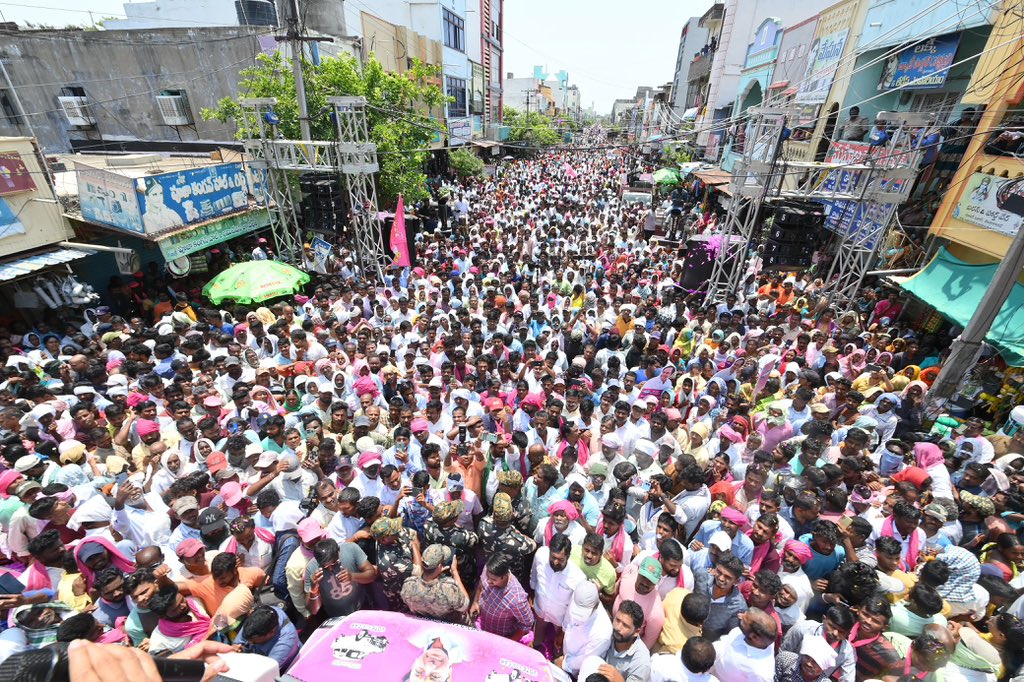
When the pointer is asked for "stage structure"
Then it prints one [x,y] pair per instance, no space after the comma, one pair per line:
[859,194]
[352,158]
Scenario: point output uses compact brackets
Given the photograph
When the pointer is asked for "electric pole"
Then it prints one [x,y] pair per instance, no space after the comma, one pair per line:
[295,38]
[966,347]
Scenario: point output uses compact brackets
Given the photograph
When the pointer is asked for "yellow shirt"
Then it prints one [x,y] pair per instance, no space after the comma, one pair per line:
[76,599]
[676,630]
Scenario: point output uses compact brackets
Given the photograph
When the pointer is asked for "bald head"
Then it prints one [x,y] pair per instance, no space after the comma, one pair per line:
[79,362]
[758,628]
[536,451]
[942,634]
[149,556]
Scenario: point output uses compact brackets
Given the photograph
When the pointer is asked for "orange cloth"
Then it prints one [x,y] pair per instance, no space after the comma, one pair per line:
[211,594]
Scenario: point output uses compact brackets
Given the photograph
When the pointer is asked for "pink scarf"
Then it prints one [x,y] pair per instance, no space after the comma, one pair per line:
[582,451]
[38,578]
[618,542]
[116,558]
[261,534]
[857,643]
[196,630]
[115,635]
[761,552]
[563,506]
[680,579]
[889,531]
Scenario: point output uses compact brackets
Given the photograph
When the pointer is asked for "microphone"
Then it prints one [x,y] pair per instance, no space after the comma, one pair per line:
[50,664]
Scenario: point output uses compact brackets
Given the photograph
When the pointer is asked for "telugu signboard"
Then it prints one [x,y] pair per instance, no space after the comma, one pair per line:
[850,217]
[205,236]
[108,199]
[14,176]
[983,203]
[822,63]
[924,65]
[193,195]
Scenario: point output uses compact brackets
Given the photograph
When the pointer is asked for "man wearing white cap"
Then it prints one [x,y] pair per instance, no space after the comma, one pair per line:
[645,454]
[611,450]
[815,657]
[588,629]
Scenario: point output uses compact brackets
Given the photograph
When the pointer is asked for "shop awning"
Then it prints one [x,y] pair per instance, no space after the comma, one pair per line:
[714,176]
[955,288]
[778,84]
[26,265]
[485,144]
[789,92]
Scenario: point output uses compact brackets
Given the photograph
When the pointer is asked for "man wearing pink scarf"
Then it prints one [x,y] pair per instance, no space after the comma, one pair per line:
[182,623]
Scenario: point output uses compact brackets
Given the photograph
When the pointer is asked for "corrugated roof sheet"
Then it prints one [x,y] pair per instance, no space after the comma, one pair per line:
[27,265]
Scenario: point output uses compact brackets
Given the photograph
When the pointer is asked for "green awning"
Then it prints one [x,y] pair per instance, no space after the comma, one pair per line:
[955,288]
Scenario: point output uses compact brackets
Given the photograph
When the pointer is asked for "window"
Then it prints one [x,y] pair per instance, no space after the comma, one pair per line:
[941,104]
[173,106]
[75,105]
[8,110]
[456,89]
[801,50]
[454,31]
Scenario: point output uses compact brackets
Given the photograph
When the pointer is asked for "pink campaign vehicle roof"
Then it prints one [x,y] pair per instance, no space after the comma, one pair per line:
[381,646]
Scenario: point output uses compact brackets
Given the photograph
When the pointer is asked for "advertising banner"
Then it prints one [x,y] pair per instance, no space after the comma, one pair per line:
[109,199]
[385,646]
[847,217]
[206,236]
[460,130]
[984,203]
[14,176]
[322,250]
[193,195]
[924,65]
[9,223]
[822,63]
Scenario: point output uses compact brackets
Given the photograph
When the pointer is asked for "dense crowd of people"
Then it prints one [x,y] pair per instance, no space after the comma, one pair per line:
[535,432]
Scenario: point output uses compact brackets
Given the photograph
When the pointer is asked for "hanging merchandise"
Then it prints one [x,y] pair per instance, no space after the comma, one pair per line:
[49,300]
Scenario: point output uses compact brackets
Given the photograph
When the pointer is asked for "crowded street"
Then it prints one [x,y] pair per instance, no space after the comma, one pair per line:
[656,399]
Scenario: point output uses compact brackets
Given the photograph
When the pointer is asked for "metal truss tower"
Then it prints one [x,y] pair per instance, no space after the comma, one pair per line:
[353,158]
[754,181]
[871,190]
[358,161]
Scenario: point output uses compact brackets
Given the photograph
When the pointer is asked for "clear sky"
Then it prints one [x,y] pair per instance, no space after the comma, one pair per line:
[608,48]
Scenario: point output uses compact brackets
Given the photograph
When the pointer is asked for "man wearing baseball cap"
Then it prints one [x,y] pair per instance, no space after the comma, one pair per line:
[438,591]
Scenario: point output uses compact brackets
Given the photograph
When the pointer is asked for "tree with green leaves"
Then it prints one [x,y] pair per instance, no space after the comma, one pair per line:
[532,129]
[398,108]
[466,164]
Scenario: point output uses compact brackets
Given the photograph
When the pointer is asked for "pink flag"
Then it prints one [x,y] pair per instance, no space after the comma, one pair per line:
[399,240]
[570,171]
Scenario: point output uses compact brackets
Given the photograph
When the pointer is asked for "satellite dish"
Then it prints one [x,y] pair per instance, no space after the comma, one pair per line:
[179,267]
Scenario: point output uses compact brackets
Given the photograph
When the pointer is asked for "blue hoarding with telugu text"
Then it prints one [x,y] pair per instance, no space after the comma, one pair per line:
[924,65]
[192,195]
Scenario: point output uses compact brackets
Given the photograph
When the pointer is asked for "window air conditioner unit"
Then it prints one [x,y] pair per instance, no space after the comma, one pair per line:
[76,110]
[174,110]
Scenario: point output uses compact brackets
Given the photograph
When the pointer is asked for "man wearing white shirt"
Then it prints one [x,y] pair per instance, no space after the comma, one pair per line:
[691,664]
[747,654]
[588,629]
[554,580]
